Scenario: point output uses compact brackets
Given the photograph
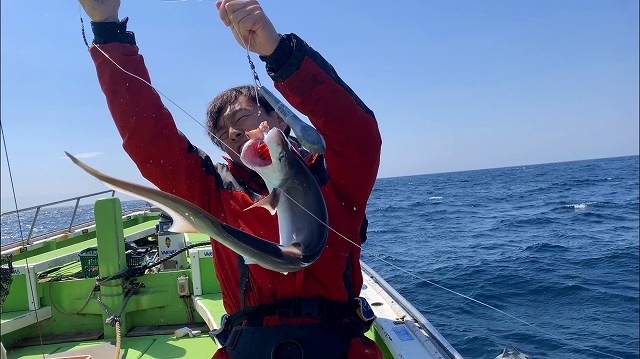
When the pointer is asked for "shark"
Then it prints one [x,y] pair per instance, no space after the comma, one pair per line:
[294,196]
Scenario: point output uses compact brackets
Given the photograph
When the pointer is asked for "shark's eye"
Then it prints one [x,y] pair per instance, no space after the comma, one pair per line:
[281,155]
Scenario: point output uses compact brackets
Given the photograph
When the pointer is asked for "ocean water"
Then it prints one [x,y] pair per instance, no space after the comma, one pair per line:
[554,246]
[14,229]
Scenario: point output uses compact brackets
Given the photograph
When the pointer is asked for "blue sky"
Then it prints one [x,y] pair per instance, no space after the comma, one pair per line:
[455,85]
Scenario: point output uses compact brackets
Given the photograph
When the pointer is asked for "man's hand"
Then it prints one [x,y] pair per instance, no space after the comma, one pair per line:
[101,10]
[249,25]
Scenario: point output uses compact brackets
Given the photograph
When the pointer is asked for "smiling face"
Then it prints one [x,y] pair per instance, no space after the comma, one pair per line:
[239,118]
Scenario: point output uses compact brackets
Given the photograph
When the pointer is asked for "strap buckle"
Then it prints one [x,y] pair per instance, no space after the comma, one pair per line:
[313,307]
[284,315]
[301,307]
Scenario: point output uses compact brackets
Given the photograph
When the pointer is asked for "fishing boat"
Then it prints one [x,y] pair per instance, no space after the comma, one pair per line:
[121,285]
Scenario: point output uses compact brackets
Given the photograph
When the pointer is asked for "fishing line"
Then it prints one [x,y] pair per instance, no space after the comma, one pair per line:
[84,36]
[220,141]
[256,82]
[26,249]
[357,245]
[13,190]
[494,308]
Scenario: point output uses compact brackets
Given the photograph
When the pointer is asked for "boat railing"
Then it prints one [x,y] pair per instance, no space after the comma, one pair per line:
[39,207]
[412,311]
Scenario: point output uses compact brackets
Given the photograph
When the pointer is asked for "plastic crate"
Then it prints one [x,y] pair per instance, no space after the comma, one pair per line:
[89,261]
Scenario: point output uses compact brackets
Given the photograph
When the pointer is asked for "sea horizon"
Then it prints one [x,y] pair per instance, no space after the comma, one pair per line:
[7,202]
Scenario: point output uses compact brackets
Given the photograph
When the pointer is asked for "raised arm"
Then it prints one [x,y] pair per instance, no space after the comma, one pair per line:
[149,134]
[348,126]
[313,87]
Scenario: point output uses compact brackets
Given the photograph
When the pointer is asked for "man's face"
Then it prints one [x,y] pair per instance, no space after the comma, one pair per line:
[237,120]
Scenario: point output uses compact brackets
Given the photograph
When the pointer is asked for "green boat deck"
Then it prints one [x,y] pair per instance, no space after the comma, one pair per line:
[148,347]
[58,253]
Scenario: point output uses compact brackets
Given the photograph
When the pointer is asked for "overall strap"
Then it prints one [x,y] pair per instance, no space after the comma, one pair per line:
[316,307]
[351,319]
[243,280]
[346,277]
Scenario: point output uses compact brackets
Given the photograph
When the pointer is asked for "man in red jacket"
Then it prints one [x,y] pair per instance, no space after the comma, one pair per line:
[314,312]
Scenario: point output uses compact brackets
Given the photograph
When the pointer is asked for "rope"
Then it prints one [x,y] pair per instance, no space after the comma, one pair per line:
[141,269]
[55,306]
[118,340]
[187,305]
[112,320]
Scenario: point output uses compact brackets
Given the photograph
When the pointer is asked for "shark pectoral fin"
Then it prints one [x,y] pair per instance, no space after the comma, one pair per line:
[270,202]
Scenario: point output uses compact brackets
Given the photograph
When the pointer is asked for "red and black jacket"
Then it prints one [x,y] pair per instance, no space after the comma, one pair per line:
[347,170]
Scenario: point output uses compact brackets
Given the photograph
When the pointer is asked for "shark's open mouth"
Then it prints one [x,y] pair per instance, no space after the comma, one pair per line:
[256,153]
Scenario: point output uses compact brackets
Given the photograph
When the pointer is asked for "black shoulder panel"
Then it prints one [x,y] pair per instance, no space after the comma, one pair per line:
[220,172]
[301,50]
[253,182]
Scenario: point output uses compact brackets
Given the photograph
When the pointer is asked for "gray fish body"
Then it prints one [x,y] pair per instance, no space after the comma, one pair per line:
[300,245]
[302,213]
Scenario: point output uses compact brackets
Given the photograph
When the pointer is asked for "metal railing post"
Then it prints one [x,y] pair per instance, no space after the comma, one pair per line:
[33,224]
[74,215]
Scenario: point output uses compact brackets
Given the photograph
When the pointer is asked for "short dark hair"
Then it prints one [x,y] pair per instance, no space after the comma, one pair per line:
[225,99]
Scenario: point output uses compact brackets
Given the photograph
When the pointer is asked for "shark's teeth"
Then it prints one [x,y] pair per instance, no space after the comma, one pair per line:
[263,151]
